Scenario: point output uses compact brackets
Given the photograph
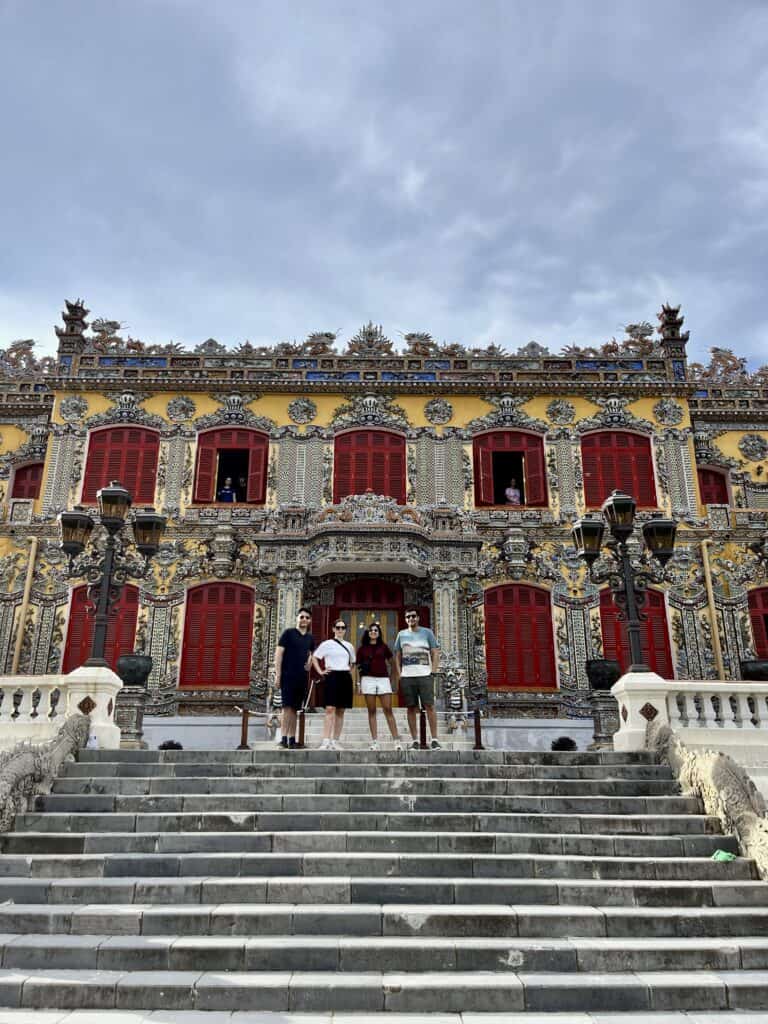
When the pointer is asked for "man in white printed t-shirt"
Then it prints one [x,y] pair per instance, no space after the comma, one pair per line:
[418,654]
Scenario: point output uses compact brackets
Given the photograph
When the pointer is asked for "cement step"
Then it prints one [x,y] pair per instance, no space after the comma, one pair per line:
[379,953]
[378,889]
[407,920]
[702,845]
[290,767]
[559,757]
[304,991]
[257,803]
[585,824]
[368,786]
[370,864]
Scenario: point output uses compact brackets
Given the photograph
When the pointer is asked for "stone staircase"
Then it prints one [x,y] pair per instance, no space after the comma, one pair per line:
[450,882]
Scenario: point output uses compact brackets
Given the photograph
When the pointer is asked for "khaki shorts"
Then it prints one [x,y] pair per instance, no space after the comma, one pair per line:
[414,687]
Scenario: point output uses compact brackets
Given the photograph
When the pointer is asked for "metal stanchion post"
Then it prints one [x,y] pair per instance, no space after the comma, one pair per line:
[243,728]
[478,731]
[422,727]
[302,726]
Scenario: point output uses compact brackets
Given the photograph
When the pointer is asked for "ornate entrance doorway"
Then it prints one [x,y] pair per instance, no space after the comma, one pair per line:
[360,602]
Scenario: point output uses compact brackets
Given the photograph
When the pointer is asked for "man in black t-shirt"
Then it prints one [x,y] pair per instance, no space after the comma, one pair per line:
[291,666]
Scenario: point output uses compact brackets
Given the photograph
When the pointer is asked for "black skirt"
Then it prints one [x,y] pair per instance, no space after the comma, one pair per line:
[338,690]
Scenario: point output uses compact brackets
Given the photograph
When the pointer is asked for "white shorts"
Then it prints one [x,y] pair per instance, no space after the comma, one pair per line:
[376,685]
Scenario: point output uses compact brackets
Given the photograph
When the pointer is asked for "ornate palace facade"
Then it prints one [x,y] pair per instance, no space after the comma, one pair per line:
[359,479]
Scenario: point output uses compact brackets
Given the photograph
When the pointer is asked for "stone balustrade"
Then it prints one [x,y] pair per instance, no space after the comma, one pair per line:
[721,714]
[30,710]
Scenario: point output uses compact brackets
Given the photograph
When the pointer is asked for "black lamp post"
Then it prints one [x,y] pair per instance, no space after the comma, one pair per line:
[108,576]
[627,582]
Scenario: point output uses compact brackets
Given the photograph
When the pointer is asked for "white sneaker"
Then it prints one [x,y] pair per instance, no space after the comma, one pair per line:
[374,745]
[326,744]
[398,744]
[335,745]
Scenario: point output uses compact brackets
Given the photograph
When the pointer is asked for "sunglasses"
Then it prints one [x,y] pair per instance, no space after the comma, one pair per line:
[411,616]
[341,626]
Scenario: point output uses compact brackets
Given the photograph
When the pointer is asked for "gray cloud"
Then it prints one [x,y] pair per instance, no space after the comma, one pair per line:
[486,172]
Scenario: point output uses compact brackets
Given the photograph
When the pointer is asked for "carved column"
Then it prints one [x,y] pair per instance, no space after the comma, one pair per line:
[61,472]
[178,465]
[680,474]
[157,622]
[564,446]
[290,587]
[446,601]
[300,472]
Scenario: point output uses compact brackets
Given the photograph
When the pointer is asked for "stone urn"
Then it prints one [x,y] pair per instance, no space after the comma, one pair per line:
[755,671]
[134,671]
[602,673]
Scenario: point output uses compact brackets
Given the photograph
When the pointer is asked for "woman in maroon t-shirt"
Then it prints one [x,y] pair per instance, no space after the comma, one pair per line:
[373,662]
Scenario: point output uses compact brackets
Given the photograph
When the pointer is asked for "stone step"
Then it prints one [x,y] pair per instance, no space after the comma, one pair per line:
[256,803]
[370,864]
[289,767]
[201,786]
[30,843]
[370,992]
[340,1017]
[414,920]
[555,757]
[355,954]
[345,889]
[585,824]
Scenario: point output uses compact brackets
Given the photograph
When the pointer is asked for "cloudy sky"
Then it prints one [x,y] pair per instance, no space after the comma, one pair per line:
[488,171]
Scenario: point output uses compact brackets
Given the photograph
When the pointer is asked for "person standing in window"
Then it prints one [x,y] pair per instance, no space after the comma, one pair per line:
[242,489]
[338,657]
[418,654]
[512,493]
[373,664]
[292,657]
[227,492]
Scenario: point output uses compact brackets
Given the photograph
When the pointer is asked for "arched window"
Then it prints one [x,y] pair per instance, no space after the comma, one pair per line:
[654,634]
[369,460]
[26,481]
[509,460]
[238,455]
[758,614]
[519,646]
[126,454]
[121,629]
[616,460]
[713,486]
[218,629]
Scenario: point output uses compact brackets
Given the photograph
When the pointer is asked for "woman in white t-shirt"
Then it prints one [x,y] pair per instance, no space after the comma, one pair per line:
[338,656]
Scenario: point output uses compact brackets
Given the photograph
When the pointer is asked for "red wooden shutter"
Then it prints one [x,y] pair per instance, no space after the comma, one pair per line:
[369,460]
[258,457]
[535,473]
[713,487]
[520,653]
[654,634]
[26,481]
[126,454]
[758,614]
[616,460]
[483,459]
[206,468]
[218,629]
[121,630]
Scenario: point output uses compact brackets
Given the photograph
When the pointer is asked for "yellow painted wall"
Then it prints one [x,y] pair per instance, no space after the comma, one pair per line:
[728,444]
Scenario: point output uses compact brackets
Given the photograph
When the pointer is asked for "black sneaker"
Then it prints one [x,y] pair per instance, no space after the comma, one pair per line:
[283,744]
[415,745]
[292,744]
[434,745]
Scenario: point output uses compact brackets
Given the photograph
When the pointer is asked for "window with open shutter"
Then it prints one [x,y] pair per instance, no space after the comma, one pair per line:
[238,454]
[712,486]
[369,460]
[26,481]
[504,456]
[218,628]
[614,460]
[758,614]
[654,634]
[121,629]
[519,646]
[126,454]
